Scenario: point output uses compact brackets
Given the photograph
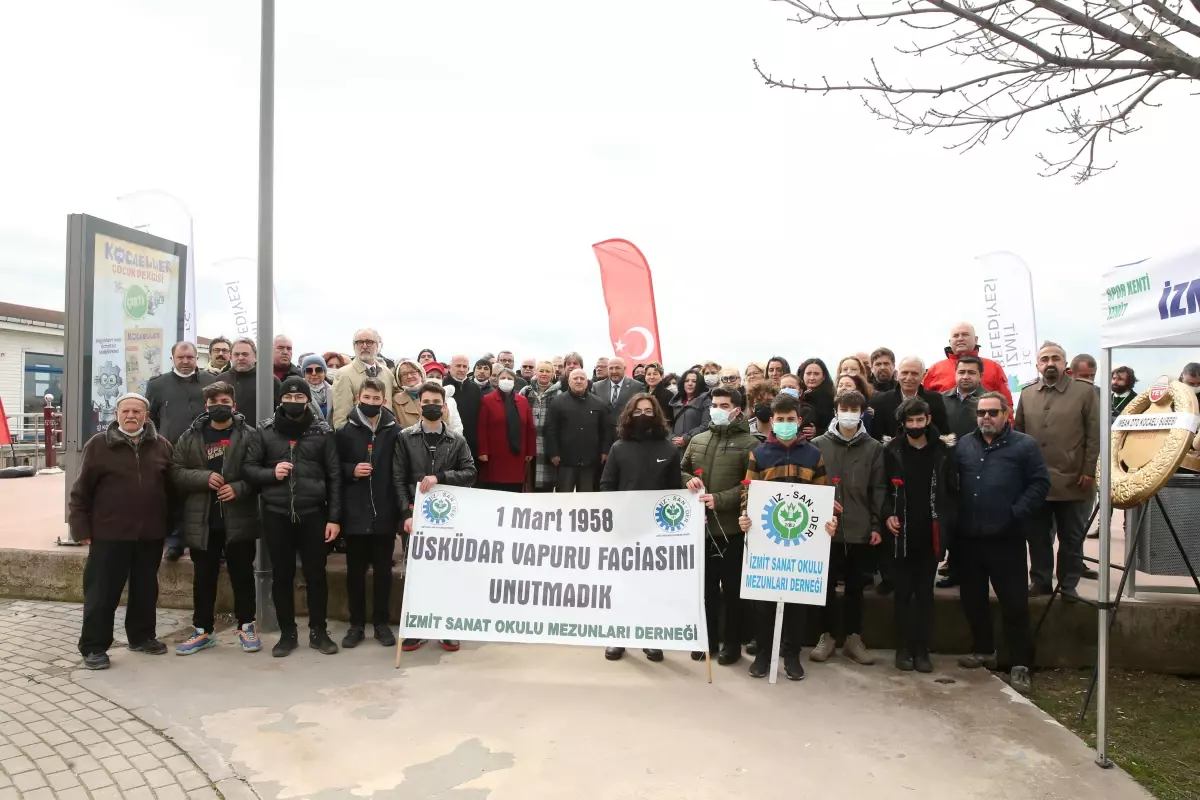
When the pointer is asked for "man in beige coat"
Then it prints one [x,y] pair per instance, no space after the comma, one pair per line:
[1063,415]
[349,379]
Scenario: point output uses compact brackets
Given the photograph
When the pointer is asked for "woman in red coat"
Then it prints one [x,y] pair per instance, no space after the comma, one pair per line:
[507,437]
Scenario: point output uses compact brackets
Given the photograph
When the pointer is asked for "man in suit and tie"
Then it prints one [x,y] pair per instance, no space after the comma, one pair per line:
[616,392]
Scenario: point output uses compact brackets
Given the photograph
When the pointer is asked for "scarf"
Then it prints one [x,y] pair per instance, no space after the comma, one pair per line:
[293,428]
[512,422]
[321,396]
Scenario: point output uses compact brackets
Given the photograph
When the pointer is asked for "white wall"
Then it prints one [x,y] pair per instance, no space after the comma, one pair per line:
[15,341]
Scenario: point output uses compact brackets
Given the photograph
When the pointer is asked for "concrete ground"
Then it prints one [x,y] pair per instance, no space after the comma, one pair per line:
[512,721]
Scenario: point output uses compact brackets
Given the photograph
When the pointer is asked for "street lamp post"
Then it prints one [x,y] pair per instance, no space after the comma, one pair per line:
[266,206]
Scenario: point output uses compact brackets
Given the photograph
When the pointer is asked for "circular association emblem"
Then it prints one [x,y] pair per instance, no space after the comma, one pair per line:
[136,302]
[439,508]
[786,521]
[671,514]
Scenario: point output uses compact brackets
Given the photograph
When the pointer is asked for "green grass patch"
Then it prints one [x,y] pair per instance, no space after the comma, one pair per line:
[1153,722]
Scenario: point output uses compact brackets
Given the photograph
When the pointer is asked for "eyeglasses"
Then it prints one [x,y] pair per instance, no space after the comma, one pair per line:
[730,379]
[313,370]
[987,412]
[364,342]
[219,351]
[642,412]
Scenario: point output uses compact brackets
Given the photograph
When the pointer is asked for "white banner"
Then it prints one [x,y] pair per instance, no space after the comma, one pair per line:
[1153,301]
[1010,333]
[616,569]
[787,548]
[1156,422]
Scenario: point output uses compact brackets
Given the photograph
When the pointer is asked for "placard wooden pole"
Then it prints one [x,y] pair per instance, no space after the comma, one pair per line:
[708,664]
[399,651]
[775,642]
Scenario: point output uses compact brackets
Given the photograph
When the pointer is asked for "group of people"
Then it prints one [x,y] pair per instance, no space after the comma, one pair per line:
[926,461]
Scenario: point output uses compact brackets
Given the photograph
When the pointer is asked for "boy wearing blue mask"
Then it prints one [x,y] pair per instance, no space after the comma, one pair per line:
[787,458]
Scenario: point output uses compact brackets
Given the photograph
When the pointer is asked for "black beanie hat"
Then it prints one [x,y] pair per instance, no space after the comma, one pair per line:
[295,383]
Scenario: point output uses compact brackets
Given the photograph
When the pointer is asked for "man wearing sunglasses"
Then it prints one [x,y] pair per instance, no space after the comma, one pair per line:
[1003,482]
[348,381]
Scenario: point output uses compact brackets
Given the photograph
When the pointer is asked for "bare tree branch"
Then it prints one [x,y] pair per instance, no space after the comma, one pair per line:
[1044,55]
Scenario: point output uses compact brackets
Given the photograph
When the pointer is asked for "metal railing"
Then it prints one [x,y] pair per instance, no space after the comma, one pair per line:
[37,439]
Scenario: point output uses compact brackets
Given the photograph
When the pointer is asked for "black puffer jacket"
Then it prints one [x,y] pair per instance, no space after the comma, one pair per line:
[245,393]
[945,491]
[642,465]
[189,473]
[450,462]
[577,429]
[315,484]
[371,503]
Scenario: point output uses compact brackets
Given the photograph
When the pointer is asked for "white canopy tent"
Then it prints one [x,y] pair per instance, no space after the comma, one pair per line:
[1151,303]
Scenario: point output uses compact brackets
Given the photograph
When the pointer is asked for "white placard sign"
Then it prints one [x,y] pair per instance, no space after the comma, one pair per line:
[623,569]
[1156,422]
[787,548]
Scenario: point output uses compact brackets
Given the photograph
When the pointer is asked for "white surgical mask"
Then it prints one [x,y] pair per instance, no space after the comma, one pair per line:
[789,390]
[848,419]
[719,416]
[1196,389]
[506,385]
[711,379]
[438,381]
[134,434]
[672,388]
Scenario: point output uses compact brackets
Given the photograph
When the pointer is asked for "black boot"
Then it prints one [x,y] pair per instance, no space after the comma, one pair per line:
[922,663]
[655,655]
[319,640]
[286,644]
[792,667]
[730,655]
[697,655]
[353,637]
[614,653]
[761,665]
[904,661]
[384,635]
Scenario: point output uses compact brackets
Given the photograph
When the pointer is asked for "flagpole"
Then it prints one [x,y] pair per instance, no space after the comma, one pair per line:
[265,608]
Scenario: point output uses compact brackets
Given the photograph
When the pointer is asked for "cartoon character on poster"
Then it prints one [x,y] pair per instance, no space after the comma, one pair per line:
[106,390]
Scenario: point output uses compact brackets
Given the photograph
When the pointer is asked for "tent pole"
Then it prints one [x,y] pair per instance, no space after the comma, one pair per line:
[1105,530]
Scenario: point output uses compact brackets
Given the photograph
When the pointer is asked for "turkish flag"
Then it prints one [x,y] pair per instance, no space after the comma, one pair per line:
[5,435]
[629,295]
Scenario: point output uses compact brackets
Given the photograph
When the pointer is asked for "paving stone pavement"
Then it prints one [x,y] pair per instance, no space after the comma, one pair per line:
[58,739]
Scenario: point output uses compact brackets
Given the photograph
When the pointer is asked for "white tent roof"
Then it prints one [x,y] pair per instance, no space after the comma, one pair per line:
[1153,302]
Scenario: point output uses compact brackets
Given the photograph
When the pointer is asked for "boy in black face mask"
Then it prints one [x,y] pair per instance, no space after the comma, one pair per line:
[428,454]
[220,515]
[366,445]
[294,462]
[918,513]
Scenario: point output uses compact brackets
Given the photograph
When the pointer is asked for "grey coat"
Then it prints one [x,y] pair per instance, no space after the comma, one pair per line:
[858,464]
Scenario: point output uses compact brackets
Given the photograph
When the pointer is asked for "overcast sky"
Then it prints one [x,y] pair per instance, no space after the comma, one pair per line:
[443,168]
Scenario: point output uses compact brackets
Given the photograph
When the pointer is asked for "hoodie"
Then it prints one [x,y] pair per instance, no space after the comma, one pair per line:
[855,465]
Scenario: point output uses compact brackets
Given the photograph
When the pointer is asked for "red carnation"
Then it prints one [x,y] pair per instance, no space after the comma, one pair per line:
[224,443]
[291,443]
[897,482]
[836,481]
[745,483]
[699,472]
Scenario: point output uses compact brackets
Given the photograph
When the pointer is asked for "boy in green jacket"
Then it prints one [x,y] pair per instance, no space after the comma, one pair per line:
[715,464]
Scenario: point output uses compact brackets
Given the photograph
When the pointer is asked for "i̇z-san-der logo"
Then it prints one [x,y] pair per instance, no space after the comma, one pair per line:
[671,514]
[439,508]
[788,518]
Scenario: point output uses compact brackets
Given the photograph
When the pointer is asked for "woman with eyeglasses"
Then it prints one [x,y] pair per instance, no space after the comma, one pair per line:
[653,376]
[691,405]
[754,371]
[314,369]
[507,436]
[642,459]
[731,378]
[405,405]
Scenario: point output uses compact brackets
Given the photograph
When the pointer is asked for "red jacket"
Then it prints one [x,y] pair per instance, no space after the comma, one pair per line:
[940,377]
[501,465]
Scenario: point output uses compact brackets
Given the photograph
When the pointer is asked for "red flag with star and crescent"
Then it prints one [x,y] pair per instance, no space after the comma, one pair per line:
[629,295]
